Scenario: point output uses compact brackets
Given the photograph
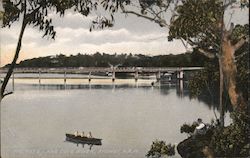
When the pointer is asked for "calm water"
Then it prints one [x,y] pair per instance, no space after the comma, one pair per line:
[128,117]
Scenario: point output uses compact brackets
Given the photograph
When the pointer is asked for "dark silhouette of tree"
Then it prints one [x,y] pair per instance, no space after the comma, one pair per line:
[160,149]
[103,60]
[202,25]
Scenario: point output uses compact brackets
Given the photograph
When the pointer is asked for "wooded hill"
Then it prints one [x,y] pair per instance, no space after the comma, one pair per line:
[125,60]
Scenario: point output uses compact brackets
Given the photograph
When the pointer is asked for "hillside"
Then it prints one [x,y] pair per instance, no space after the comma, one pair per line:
[125,60]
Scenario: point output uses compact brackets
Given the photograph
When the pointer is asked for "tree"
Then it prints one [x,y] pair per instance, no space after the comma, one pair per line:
[206,82]
[199,24]
[1,15]
[204,27]
[103,60]
[159,149]
[35,13]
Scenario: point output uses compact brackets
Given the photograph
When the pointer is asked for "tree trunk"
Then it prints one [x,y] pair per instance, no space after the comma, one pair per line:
[12,66]
[208,152]
[229,71]
[221,107]
[10,70]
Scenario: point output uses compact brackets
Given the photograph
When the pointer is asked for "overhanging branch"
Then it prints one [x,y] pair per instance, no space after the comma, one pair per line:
[240,43]
[8,93]
[160,21]
[206,53]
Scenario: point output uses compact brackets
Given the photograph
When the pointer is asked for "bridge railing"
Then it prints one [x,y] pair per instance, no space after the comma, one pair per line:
[101,69]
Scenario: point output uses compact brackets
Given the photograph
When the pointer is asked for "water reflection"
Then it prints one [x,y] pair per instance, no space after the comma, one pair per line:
[181,89]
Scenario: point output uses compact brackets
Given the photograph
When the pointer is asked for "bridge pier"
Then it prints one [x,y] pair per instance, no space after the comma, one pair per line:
[113,75]
[181,88]
[65,77]
[39,76]
[180,74]
[113,87]
[158,76]
[136,75]
[90,86]
[89,76]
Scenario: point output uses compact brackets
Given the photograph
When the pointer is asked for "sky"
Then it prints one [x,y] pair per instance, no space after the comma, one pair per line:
[130,34]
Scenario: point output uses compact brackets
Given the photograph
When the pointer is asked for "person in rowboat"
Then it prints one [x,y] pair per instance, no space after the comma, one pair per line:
[76,133]
[82,134]
[89,135]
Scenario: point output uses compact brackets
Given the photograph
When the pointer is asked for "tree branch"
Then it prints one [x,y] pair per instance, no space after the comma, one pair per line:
[157,15]
[8,93]
[240,43]
[228,4]
[241,55]
[32,7]
[18,3]
[33,11]
[206,53]
[161,22]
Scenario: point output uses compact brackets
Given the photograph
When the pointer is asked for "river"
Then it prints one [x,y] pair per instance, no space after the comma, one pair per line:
[127,116]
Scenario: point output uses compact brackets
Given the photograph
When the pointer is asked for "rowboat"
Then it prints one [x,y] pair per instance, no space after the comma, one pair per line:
[83,140]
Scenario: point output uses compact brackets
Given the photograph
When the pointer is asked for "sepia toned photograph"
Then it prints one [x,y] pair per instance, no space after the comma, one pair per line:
[124,79]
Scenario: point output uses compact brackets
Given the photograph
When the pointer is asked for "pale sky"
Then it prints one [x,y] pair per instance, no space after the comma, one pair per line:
[129,35]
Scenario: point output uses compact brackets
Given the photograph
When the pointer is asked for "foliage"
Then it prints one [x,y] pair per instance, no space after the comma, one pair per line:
[238,32]
[244,3]
[233,141]
[206,82]
[230,141]
[36,12]
[1,15]
[242,61]
[103,60]
[197,22]
[159,149]
[187,128]
[149,9]
[201,24]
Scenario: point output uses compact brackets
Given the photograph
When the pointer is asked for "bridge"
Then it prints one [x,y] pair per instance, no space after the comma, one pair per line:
[112,70]
[65,73]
